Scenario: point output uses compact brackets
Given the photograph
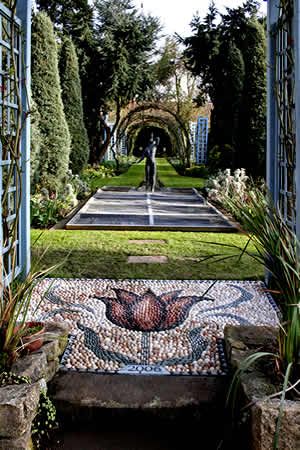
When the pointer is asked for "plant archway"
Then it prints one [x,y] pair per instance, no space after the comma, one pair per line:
[160,116]
[135,127]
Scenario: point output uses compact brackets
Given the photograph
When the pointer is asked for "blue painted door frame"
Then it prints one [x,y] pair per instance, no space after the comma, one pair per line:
[24,13]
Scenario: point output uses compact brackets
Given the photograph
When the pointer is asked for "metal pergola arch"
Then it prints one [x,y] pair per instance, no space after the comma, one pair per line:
[149,120]
[134,130]
[156,109]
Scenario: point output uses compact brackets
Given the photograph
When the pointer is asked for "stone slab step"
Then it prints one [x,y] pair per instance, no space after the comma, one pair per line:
[83,389]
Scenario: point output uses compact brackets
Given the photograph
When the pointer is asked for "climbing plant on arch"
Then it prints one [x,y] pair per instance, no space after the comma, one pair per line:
[156,114]
[167,124]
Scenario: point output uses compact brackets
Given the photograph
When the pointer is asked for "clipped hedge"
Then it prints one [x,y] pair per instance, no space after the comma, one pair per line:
[200,171]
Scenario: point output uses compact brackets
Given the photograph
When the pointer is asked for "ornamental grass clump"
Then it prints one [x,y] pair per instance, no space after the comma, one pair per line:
[14,311]
[278,249]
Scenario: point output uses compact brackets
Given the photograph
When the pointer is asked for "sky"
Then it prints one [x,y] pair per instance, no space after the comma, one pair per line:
[176,15]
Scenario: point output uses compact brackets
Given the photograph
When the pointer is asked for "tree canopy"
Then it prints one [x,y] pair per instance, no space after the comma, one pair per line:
[72,17]
[127,41]
[120,66]
[229,57]
[75,19]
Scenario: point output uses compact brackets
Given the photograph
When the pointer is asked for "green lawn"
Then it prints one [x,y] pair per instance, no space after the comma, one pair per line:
[135,175]
[170,178]
[103,254]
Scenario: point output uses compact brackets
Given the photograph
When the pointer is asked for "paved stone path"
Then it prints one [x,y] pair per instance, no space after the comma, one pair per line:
[168,209]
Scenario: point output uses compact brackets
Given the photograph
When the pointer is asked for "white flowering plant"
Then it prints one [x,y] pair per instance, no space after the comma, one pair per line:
[225,183]
[230,185]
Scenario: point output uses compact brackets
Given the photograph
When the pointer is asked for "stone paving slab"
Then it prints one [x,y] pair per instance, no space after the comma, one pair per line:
[168,209]
[147,259]
[147,327]
[147,241]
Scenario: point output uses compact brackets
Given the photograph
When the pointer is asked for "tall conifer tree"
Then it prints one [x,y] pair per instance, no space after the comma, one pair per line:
[35,144]
[46,91]
[253,113]
[74,18]
[72,100]
[229,56]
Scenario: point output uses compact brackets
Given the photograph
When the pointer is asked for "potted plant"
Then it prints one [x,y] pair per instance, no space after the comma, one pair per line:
[33,337]
[17,334]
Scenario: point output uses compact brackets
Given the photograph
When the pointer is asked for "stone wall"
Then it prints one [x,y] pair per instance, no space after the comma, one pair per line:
[241,341]
[19,403]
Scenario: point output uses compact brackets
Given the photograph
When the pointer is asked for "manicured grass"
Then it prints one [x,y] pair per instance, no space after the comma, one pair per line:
[135,175]
[132,178]
[170,178]
[103,254]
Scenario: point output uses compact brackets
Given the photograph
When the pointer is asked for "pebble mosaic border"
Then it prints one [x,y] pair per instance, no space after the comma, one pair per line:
[151,327]
[220,349]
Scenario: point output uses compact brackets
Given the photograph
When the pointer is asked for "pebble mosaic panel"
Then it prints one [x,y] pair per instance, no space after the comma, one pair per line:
[150,327]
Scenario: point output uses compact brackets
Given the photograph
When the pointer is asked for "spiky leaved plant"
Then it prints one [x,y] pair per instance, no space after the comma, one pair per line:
[278,249]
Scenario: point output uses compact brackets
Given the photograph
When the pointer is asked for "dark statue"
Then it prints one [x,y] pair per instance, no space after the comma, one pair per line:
[150,167]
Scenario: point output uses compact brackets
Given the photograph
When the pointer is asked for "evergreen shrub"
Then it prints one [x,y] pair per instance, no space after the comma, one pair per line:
[72,100]
[55,137]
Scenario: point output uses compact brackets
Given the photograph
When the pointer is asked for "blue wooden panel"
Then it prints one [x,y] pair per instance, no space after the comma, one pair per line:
[272,129]
[8,114]
[297,104]
[24,13]
[17,171]
[201,140]
[193,132]
[283,122]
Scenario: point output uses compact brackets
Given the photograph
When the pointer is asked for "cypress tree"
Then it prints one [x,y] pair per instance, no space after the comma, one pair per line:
[229,56]
[55,142]
[72,100]
[35,144]
[224,135]
[253,129]
[75,18]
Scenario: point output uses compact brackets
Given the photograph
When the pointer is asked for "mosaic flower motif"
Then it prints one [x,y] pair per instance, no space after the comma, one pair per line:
[148,312]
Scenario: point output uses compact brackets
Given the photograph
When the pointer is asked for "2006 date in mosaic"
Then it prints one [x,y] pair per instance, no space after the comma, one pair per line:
[136,369]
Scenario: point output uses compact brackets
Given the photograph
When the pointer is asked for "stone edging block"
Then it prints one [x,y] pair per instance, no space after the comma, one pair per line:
[240,342]
[19,403]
